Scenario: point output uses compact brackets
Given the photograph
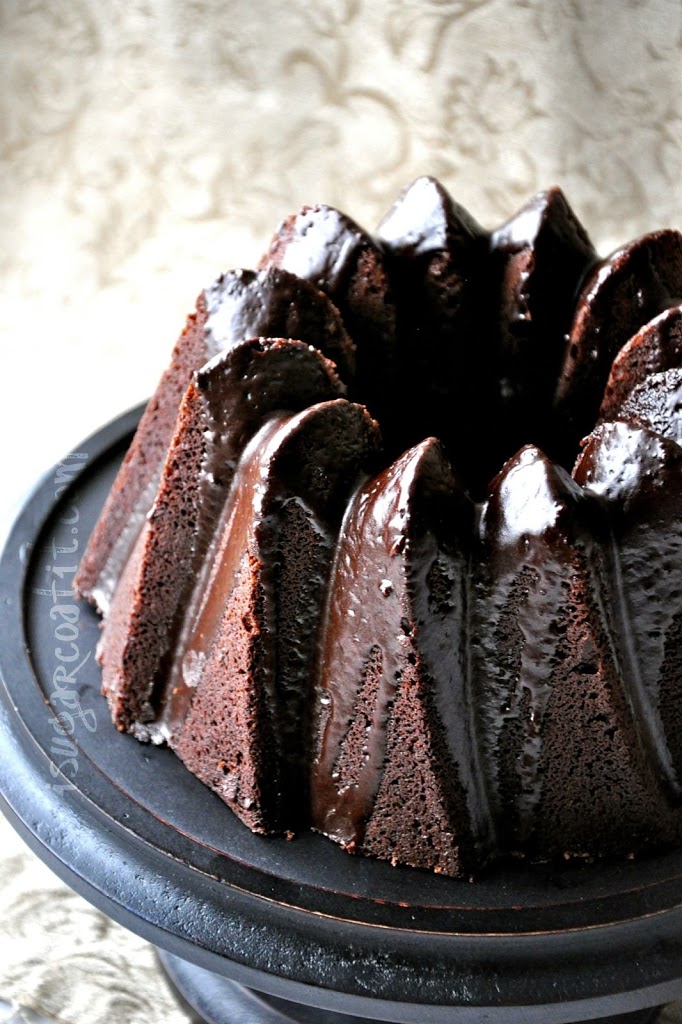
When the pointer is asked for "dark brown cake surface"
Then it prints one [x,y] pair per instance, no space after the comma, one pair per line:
[226,404]
[656,346]
[637,473]
[623,293]
[561,738]
[324,246]
[656,403]
[239,690]
[436,252]
[423,638]
[393,675]
[239,305]
[534,529]
[540,258]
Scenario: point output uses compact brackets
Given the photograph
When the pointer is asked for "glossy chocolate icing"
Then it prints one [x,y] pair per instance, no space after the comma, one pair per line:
[322,245]
[538,260]
[566,722]
[241,304]
[656,403]
[242,387]
[436,253]
[275,304]
[425,221]
[319,244]
[656,346]
[274,541]
[537,530]
[217,575]
[637,474]
[397,601]
[228,401]
[624,292]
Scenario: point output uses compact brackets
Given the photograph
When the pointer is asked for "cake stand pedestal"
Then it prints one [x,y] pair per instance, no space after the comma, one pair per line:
[255,930]
[221,1001]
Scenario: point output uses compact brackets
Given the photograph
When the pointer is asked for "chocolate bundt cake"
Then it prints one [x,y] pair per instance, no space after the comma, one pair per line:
[396,552]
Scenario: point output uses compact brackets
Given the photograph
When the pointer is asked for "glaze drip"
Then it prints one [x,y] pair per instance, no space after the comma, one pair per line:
[638,475]
[536,536]
[395,621]
[221,563]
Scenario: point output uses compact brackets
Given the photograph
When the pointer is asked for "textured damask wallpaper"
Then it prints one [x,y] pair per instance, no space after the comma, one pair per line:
[147,145]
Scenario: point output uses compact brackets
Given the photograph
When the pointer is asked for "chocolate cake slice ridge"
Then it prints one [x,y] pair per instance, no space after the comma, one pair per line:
[637,475]
[239,305]
[237,700]
[227,402]
[393,675]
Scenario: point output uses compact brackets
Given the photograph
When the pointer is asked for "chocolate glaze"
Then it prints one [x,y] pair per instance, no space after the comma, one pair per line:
[657,346]
[239,305]
[216,577]
[538,260]
[275,304]
[656,403]
[243,386]
[318,244]
[425,221]
[638,476]
[227,402]
[397,605]
[322,245]
[276,534]
[435,252]
[622,293]
[537,529]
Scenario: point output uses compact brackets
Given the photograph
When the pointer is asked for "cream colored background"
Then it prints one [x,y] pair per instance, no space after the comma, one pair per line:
[146,146]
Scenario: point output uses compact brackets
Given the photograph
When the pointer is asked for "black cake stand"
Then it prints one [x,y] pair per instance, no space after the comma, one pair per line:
[258,931]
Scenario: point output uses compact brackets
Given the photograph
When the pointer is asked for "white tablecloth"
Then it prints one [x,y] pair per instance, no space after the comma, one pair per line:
[66,960]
